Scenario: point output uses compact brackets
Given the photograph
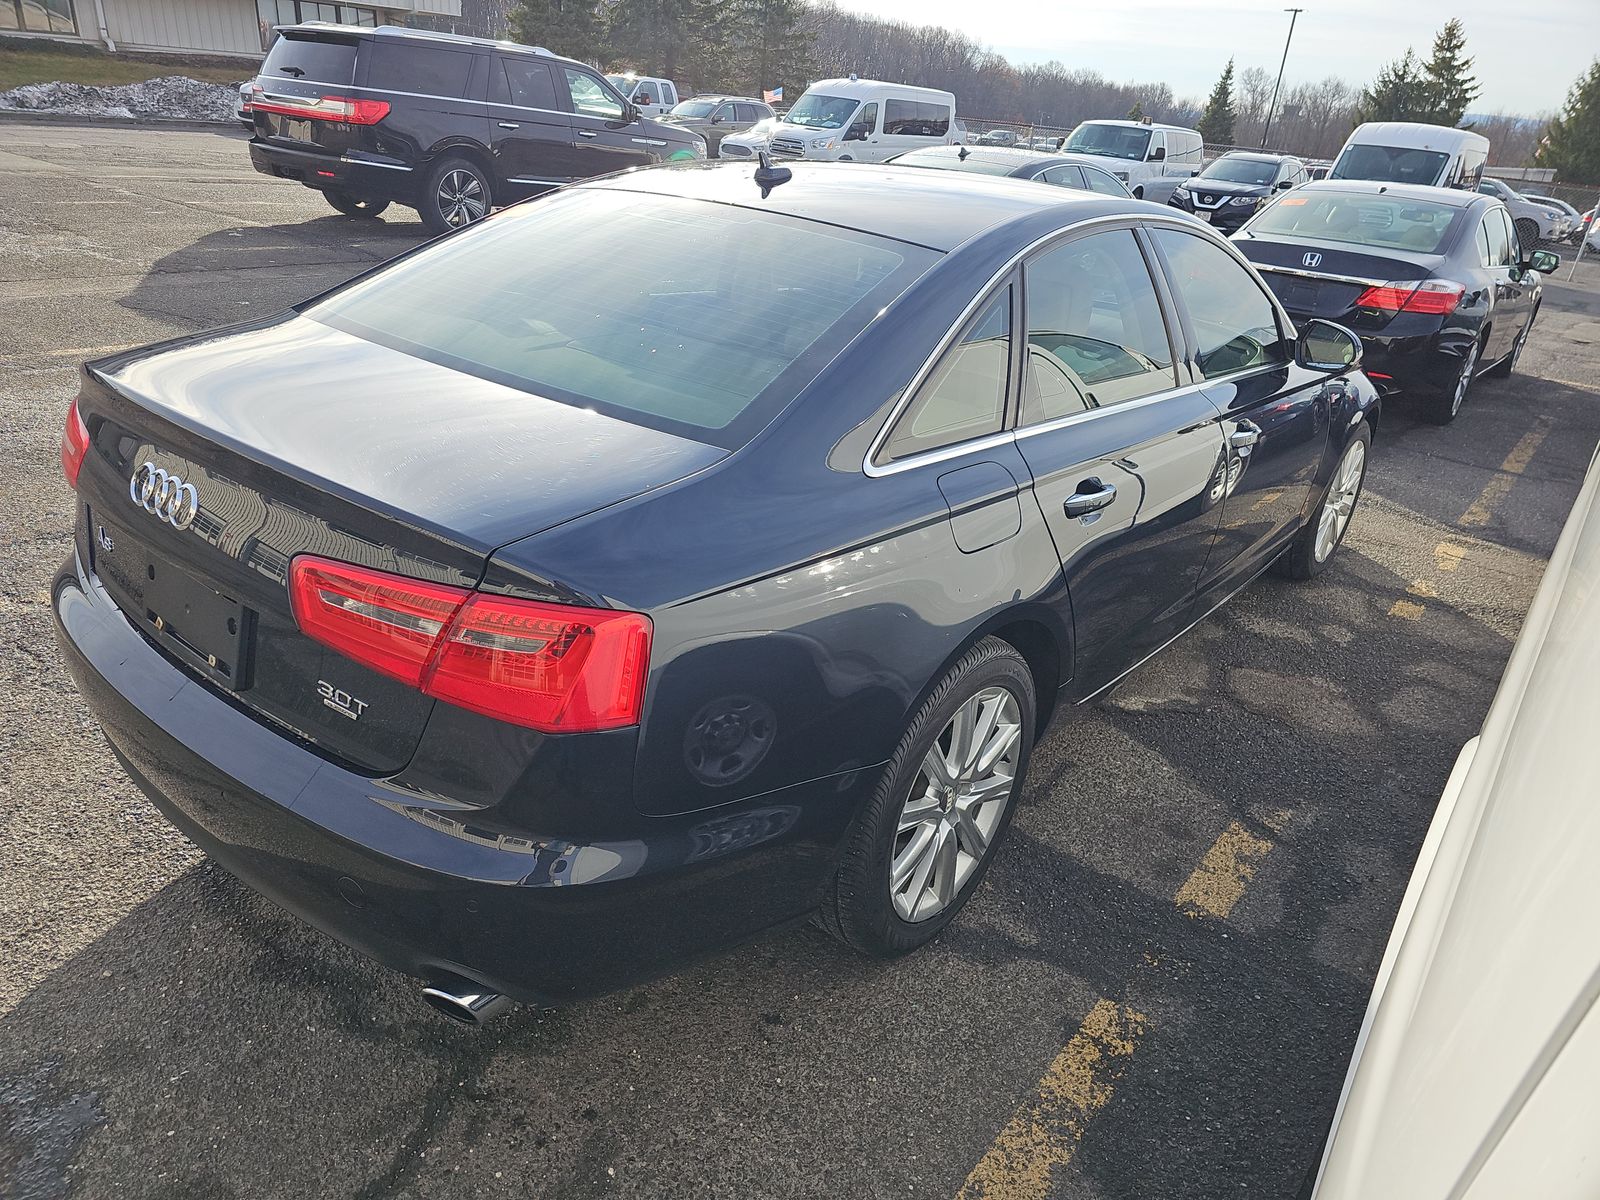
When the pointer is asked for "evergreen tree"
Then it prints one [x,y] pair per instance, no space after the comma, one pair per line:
[1397,94]
[1572,143]
[569,27]
[1136,113]
[681,40]
[1447,83]
[1216,123]
[774,43]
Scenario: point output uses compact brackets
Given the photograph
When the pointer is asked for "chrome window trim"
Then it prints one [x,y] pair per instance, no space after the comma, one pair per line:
[957,449]
[531,179]
[1320,275]
[369,162]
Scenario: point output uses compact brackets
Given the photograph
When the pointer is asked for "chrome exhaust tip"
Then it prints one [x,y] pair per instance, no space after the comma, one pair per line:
[464,1003]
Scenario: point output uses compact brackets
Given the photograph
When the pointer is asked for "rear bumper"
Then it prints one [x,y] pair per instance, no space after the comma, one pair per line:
[408,878]
[378,179]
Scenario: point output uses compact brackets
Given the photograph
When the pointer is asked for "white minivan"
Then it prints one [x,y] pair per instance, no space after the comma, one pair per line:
[1405,152]
[1150,159]
[864,120]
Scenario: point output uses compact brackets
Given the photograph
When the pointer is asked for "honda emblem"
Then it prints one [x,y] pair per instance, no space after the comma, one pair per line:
[1312,260]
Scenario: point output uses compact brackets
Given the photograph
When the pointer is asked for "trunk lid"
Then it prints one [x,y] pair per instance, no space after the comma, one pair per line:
[302,67]
[296,437]
[1325,280]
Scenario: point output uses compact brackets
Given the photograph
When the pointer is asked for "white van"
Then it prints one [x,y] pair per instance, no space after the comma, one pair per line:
[1148,158]
[864,120]
[1403,152]
[653,97]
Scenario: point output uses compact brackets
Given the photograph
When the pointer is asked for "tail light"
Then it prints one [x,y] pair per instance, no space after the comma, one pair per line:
[1435,296]
[554,667]
[74,445]
[348,109]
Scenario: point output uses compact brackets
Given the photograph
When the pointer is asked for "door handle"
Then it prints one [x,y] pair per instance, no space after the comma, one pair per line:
[587,133]
[1091,496]
[508,125]
[1244,437]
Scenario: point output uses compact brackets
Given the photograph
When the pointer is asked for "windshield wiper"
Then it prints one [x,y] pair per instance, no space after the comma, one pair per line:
[297,72]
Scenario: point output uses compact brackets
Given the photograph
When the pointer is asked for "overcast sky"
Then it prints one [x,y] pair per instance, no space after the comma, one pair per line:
[1527,54]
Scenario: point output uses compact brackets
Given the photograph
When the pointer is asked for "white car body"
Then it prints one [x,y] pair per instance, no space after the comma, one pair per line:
[874,117]
[1474,1072]
[749,143]
[1171,155]
[653,97]
[1554,225]
[1407,152]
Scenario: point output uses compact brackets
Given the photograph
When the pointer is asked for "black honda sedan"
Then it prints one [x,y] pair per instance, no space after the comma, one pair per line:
[1231,188]
[662,561]
[1433,279]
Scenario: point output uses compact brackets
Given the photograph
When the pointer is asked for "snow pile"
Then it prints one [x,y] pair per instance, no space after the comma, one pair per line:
[174,97]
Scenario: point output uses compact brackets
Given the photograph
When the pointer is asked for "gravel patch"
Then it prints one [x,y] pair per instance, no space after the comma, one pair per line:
[174,97]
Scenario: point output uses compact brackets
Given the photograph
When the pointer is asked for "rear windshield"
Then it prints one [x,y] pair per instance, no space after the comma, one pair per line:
[694,108]
[1390,164]
[700,319]
[315,59]
[1361,220]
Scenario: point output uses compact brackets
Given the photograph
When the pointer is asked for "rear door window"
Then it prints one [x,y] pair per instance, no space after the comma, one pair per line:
[1499,238]
[1067,175]
[424,70]
[524,83]
[312,59]
[749,112]
[1104,181]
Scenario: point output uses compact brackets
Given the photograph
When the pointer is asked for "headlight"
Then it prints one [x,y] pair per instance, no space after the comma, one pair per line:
[1122,175]
[1180,190]
[1554,216]
[1243,200]
[825,144]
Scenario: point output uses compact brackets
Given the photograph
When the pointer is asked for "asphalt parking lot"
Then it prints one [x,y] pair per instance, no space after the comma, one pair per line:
[1154,994]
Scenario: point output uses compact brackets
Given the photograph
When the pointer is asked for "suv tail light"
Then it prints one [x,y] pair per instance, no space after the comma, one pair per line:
[350,110]
[1438,297]
[553,667]
[74,444]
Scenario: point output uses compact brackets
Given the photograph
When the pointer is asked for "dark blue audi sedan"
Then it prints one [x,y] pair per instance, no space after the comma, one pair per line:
[675,557]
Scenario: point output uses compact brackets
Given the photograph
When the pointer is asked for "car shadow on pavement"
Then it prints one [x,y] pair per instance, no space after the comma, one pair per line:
[249,271]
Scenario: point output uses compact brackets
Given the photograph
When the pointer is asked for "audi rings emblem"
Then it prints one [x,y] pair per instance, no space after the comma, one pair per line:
[165,495]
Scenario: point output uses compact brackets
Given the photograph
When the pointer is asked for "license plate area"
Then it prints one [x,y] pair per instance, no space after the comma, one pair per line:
[192,621]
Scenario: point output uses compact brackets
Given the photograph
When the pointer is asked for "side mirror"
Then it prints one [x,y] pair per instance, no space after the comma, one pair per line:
[630,112]
[855,134]
[1324,346]
[1159,154]
[716,120]
[1544,261]
[1285,184]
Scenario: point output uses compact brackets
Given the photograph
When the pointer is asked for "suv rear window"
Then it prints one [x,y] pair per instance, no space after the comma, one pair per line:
[1360,219]
[314,59]
[700,319]
[425,70]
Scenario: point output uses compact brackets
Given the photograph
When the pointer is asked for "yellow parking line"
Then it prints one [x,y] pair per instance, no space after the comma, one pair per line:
[1406,610]
[1481,509]
[1447,556]
[1214,887]
[1423,588]
[1044,1133]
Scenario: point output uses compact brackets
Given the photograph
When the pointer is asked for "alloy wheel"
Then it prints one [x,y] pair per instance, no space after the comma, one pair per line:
[955,804]
[460,198]
[1341,501]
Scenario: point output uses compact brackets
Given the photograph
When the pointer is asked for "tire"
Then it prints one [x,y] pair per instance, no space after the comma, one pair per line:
[1442,407]
[862,907]
[1314,546]
[1508,364]
[354,206]
[455,193]
[1527,232]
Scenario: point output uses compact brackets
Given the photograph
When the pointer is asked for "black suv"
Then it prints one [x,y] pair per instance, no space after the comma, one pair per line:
[447,125]
[1231,188]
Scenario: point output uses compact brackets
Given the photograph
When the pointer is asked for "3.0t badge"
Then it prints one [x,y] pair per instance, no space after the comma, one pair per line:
[164,495]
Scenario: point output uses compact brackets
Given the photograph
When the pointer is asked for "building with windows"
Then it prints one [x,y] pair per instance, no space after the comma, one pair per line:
[238,28]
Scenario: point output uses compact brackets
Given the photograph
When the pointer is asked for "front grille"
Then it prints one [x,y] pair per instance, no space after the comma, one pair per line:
[727,151]
[787,148]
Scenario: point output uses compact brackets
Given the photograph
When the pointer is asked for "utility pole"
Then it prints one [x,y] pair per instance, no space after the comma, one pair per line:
[1266,129]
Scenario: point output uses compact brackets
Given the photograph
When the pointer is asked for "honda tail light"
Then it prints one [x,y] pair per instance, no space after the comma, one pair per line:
[348,109]
[74,445]
[554,667]
[1438,297]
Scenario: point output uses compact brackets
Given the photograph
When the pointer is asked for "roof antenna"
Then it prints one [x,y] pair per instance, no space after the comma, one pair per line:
[962,154]
[769,176]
